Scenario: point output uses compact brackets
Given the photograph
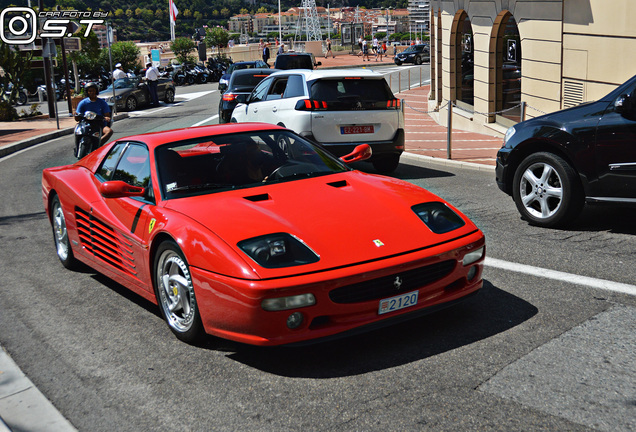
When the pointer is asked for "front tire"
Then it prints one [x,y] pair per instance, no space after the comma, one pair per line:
[169,96]
[175,293]
[547,190]
[60,235]
[131,104]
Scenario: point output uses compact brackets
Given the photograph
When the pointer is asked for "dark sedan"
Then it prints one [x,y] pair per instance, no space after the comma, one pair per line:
[132,93]
[225,79]
[551,165]
[242,82]
[416,54]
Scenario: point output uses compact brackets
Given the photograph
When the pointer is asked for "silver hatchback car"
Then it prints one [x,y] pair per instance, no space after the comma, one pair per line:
[338,109]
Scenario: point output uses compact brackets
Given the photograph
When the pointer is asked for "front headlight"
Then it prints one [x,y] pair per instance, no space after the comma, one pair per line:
[119,97]
[278,250]
[509,133]
[473,256]
[438,217]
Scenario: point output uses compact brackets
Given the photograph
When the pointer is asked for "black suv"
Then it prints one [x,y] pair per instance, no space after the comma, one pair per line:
[294,60]
[554,163]
[416,54]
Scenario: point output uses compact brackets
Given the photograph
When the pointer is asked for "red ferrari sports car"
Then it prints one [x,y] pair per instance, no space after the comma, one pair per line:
[252,233]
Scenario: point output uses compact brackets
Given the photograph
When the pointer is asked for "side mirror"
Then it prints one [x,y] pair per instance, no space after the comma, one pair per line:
[360,153]
[120,189]
[624,104]
[242,98]
[318,63]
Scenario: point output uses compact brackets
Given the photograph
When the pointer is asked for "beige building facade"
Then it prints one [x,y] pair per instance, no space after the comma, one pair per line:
[489,56]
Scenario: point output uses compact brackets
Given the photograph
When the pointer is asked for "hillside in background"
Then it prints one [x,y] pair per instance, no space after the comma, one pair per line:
[148,20]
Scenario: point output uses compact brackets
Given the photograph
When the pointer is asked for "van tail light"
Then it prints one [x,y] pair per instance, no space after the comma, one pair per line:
[311,105]
[393,104]
[229,97]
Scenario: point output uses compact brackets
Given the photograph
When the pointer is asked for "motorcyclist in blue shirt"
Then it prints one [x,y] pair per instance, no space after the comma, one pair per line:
[98,106]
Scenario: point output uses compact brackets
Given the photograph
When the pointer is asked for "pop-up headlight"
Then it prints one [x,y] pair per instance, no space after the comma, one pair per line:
[278,250]
[438,217]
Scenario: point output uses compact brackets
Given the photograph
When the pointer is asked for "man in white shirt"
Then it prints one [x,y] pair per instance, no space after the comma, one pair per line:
[152,75]
[119,72]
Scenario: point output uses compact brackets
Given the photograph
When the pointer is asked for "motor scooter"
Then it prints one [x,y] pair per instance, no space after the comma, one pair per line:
[88,134]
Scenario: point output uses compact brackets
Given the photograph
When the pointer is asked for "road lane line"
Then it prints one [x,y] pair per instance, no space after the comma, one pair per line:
[206,120]
[562,276]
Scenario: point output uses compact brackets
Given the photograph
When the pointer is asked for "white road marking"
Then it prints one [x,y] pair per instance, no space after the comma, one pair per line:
[216,116]
[195,95]
[562,276]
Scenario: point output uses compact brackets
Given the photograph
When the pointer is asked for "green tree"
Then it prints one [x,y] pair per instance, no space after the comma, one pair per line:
[182,48]
[216,36]
[126,53]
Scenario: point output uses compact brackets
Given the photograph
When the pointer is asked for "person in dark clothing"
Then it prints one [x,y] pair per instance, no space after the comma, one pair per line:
[266,53]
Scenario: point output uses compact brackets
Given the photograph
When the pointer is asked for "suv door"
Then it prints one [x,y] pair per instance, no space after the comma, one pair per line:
[616,147]
[251,111]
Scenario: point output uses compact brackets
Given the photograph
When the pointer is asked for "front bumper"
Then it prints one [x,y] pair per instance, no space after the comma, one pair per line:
[231,308]
[501,171]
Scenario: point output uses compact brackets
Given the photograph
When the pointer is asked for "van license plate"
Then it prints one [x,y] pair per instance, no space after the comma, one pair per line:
[346,130]
[397,302]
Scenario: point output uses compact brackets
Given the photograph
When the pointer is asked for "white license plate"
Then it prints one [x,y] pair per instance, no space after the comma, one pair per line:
[397,302]
[346,130]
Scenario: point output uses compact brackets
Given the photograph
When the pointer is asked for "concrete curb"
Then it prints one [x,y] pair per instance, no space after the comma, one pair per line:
[449,162]
[29,142]
[22,406]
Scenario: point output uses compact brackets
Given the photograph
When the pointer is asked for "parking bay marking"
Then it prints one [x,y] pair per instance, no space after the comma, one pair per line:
[215,116]
[562,276]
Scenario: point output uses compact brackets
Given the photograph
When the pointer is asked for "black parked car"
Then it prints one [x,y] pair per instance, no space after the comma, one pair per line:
[241,84]
[552,164]
[225,79]
[416,54]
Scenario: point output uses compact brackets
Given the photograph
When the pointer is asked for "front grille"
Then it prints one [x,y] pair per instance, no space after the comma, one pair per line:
[385,286]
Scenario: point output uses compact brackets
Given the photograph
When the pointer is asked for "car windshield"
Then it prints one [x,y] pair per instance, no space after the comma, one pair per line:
[124,83]
[239,160]
[239,66]
[414,48]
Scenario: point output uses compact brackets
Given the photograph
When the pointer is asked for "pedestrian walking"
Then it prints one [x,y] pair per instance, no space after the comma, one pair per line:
[365,50]
[375,47]
[360,46]
[329,49]
[266,53]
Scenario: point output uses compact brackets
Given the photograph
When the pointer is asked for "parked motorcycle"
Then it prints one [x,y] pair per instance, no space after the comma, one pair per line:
[22,94]
[88,134]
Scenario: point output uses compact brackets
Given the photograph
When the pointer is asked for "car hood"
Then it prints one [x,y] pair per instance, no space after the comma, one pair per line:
[345,218]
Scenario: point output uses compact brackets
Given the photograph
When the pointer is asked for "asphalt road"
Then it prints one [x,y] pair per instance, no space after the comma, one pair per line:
[530,352]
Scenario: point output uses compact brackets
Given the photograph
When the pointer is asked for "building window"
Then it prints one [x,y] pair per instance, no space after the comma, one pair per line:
[509,80]
[465,58]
